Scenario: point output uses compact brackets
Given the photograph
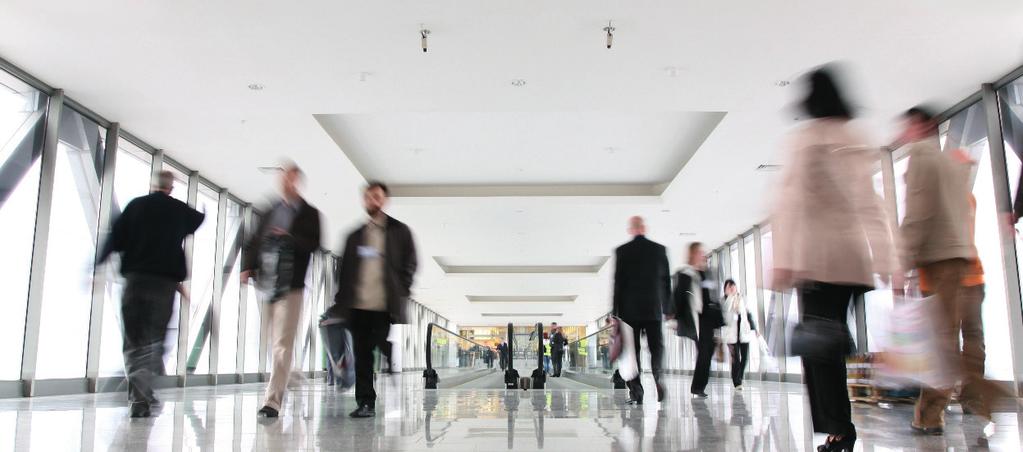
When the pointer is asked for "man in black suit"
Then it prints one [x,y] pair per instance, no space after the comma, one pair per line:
[557,344]
[377,267]
[642,289]
[148,236]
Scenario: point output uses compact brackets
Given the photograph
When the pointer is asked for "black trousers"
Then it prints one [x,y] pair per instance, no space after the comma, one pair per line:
[740,355]
[826,383]
[146,307]
[369,331]
[557,359]
[654,342]
[704,357]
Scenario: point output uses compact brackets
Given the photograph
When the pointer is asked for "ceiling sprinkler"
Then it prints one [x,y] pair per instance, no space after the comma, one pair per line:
[423,33]
[610,33]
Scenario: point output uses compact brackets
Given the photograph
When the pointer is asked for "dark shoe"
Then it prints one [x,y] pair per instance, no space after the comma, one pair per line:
[842,445]
[364,411]
[267,412]
[933,431]
[660,392]
[140,410]
[700,395]
[635,401]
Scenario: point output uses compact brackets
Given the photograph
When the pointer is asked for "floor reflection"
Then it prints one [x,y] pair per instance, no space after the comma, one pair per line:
[765,417]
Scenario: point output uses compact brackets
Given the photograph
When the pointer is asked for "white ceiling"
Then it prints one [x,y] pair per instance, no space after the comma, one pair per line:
[175,74]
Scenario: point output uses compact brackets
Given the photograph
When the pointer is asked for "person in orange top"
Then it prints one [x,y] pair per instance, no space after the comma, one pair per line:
[977,393]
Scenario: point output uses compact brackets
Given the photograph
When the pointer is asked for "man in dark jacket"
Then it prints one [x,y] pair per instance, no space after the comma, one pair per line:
[148,236]
[642,290]
[558,342]
[377,266]
[278,256]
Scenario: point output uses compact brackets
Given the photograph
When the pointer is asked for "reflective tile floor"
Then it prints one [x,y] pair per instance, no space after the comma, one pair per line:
[764,417]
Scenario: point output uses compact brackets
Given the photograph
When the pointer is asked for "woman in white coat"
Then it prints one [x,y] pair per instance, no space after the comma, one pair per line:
[740,329]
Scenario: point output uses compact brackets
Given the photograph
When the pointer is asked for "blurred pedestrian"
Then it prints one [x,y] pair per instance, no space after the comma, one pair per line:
[740,329]
[830,237]
[278,256]
[557,344]
[378,264]
[697,314]
[148,236]
[642,290]
[936,238]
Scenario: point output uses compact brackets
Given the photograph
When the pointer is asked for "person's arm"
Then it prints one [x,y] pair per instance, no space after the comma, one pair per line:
[307,237]
[250,252]
[667,307]
[920,190]
[410,262]
[115,240]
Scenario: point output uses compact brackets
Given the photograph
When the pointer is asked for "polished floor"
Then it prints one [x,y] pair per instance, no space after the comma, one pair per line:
[571,417]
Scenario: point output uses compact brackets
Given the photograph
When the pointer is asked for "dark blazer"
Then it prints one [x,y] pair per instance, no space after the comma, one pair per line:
[558,343]
[642,281]
[148,234]
[400,264]
[304,230]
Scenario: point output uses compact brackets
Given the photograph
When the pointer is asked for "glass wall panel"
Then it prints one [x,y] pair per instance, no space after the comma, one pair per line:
[967,130]
[200,313]
[733,254]
[253,321]
[132,173]
[1010,100]
[22,117]
[229,303]
[751,292]
[71,248]
[180,191]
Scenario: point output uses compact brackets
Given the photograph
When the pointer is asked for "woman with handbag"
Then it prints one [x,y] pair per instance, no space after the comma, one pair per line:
[830,237]
[739,330]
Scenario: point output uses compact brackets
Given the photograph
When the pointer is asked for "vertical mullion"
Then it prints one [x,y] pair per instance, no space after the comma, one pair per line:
[37,276]
[243,296]
[1003,201]
[184,309]
[100,272]
[157,167]
[218,283]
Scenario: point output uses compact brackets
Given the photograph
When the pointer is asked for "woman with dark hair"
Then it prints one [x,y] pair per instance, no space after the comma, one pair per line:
[831,236]
[739,330]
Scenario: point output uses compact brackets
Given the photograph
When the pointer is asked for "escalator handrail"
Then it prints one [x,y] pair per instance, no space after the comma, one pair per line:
[458,335]
[591,335]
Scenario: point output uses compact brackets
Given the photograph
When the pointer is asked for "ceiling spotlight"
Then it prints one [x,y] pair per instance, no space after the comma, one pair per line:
[518,82]
[423,33]
[768,167]
[781,83]
[610,33]
[363,76]
[256,87]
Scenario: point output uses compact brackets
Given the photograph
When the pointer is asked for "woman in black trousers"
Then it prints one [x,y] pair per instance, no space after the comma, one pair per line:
[830,237]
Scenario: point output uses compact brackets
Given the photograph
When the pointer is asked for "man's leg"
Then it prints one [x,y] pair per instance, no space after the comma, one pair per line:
[655,342]
[704,356]
[285,314]
[362,342]
[636,384]
[145,303]
[976,395]
[946,277]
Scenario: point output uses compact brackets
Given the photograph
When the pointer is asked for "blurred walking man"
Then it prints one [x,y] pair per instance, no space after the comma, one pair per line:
[278,255]
[148,236]
[642,290]
[378,264]
[936,238]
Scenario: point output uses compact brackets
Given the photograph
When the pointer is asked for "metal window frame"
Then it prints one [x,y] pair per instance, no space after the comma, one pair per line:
[184,307]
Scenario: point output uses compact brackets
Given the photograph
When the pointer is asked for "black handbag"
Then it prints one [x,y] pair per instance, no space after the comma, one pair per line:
[822,340]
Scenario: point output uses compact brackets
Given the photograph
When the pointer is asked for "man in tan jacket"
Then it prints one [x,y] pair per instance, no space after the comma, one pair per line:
[935,237]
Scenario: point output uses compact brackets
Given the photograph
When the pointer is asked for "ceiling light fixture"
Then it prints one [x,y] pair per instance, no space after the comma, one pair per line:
[766,167]
[363,76]
[673,71]
[423,33]
[256,87]
[270,169]
[782,83]
[609,29]
[518,82]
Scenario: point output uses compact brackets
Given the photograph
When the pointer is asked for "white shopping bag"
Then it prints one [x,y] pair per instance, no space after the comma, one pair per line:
[628,366]
[767,362]
[912,355]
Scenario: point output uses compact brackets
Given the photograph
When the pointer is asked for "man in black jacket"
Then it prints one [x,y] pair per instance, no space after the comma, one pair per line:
[642,290]
[377,266]
[148,236]
[558,342]
[697,314]
[278,256]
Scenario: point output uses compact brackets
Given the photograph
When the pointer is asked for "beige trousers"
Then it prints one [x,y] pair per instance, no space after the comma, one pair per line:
[283,316]
[947,277]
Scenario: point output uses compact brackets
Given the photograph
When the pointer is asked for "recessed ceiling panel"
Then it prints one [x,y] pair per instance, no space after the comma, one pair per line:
[516,149]
[521,298]
[454,265]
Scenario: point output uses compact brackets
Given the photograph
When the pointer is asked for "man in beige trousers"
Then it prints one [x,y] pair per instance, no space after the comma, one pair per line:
[278,255]
[936,238]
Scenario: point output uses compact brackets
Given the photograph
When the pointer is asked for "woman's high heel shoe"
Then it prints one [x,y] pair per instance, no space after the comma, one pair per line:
[841,445]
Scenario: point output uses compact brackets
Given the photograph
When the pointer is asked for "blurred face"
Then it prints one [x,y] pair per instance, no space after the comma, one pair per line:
[637,226]
[289,184]
[731,289]
[697,258]
[374,200]
[915,130]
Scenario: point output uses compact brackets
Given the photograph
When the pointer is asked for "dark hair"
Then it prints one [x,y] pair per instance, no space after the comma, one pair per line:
[824,98]
[694,246]
[377,184]
[919,113]
[292,167]
[729,282]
